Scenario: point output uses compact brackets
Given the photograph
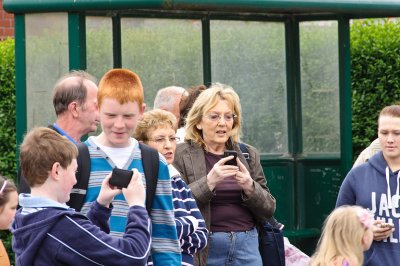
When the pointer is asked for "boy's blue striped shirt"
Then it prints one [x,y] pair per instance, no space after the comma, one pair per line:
[165,245]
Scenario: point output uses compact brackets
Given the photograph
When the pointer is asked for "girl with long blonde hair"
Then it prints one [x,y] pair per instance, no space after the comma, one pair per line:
[346,235]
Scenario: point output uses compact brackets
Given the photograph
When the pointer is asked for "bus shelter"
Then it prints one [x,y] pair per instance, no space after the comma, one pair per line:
[288,60]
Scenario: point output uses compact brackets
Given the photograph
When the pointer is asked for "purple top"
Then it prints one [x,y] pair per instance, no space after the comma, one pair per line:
[227,212]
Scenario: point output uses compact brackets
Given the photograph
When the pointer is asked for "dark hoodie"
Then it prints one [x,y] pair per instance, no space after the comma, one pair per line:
[48,233]
[370,185]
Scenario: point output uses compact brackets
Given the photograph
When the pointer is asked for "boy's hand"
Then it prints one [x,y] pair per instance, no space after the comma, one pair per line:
[135,193]
[107,192]
[381,231]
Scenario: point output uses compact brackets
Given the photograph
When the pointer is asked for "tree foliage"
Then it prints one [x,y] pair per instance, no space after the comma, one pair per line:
[7,121]
[375,62]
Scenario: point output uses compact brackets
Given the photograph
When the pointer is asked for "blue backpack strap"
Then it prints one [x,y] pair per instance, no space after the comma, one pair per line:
[151,162]
[22,184]
[245,152]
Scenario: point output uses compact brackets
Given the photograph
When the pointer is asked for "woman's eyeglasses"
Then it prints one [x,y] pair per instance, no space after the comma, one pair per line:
[217,117]
[162,141]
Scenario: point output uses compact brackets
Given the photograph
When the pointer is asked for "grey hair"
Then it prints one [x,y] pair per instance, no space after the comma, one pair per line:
[165,97]
[68,90]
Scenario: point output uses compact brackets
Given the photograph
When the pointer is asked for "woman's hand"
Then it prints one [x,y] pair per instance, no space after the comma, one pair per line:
[244,179]
[381,233]
[220,171]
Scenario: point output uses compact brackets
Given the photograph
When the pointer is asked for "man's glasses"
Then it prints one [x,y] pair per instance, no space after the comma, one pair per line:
[217,117]
[162,141]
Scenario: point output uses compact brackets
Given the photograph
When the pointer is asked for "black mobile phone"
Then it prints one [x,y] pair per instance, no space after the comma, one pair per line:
[120,178]
[229,153]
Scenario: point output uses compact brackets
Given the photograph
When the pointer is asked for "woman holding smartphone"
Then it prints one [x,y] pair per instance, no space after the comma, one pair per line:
[232,198]
[375,185]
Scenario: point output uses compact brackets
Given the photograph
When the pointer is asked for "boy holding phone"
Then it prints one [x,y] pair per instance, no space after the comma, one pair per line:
[47,232]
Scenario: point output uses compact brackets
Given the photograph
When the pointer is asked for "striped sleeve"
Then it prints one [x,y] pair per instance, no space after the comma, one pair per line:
[165,246]
[192,237]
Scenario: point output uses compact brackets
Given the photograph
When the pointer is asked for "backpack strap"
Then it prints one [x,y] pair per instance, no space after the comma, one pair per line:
[151,162]
[245,152]
[272,221]
[22,184]
[79,191]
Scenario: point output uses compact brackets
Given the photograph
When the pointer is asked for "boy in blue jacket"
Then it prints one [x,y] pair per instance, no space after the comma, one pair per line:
[47,232]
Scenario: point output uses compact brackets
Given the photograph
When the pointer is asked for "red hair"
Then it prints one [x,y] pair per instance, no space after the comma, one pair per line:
[122,85]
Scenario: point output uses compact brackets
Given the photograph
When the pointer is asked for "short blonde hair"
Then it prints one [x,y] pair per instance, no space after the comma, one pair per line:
[391,110]
[341,237]
[153,120]
[122,85]
[205,102]
[41,148]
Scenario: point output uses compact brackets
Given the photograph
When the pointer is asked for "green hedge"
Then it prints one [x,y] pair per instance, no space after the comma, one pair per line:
[7,121]
[7,109]
[375,61]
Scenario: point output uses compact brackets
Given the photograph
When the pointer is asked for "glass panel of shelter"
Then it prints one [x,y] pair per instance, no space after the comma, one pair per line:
[46,61]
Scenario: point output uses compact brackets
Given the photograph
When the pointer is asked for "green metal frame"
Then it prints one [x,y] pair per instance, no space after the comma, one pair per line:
[365,7]
[77,41]
[293,84]
[345,94]
[20,77]
[117,46]
[205,26]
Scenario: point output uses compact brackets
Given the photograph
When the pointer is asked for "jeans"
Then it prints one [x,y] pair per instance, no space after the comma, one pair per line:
[233,249]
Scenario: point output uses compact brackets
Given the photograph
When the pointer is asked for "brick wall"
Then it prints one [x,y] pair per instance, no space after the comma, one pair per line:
[6,23]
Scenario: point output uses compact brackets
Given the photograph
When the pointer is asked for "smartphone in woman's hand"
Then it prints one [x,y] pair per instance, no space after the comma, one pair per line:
[229,153]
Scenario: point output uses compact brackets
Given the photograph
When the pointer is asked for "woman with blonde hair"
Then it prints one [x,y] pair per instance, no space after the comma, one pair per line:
[346,235]
[231,193]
